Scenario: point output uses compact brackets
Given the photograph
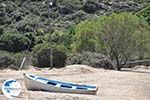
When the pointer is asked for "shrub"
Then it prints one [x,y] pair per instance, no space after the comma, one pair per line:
[91,59]
[19,58]
[6,60]
[32,40]
[12,61]
[145,13]
[123,34]
[41,56]
[85,36]
[1,30]
[13,42]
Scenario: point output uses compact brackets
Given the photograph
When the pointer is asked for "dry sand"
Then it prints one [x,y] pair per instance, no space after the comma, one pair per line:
[130,84]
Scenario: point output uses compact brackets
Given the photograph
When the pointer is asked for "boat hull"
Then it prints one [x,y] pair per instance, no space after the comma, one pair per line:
[35,85]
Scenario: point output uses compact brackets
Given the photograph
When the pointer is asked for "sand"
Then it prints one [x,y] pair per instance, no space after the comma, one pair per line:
[129,84]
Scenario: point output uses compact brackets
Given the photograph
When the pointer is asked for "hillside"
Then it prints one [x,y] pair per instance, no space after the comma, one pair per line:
[99,42]
[29,15]
[99,33]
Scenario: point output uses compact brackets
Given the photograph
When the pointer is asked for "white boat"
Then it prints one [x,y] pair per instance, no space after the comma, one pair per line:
[34,82]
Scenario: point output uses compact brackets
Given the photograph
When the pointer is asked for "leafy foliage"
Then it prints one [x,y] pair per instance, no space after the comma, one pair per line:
[41,56]
[75,28]
[120,37]
[88,58]
[85,37]
[118,34]
[29,15]
[1,31]
[143,42]
[6,60]
[145,13]
[13,42]
[12,60]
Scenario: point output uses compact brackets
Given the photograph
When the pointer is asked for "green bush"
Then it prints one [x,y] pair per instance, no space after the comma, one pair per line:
[41,56]
[6,61]
[123,35]
[12,60]
[13,42]
[88,58]
[145,13]
[61,40]
[1,30]
[19,58]
[85,36]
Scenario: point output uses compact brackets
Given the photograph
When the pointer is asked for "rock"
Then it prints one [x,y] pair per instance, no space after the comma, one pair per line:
[102,6]
[134,6]
[18,18]
[77,16]
[90,7]
[67,24]
[65,10]
[125,6]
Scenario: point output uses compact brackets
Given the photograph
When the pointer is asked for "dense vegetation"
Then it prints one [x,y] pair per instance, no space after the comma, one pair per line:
[100,33]
[146,13]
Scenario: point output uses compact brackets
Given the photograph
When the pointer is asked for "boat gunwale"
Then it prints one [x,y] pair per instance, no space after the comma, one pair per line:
[91,90]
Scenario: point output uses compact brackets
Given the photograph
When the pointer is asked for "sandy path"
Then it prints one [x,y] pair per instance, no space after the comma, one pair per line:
[113,85]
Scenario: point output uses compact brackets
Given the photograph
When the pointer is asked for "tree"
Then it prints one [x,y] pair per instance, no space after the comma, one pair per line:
[85,37]
[13,42]
[143,39]
[41,56]
[1,31]
[145,13]
[118,33]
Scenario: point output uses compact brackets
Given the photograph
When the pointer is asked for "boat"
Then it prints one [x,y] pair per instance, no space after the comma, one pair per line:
[39,83]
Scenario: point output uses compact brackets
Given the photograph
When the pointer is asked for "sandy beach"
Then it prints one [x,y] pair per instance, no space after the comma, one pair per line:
[129,84]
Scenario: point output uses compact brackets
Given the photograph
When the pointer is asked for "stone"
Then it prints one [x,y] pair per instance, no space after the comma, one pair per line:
[65,10]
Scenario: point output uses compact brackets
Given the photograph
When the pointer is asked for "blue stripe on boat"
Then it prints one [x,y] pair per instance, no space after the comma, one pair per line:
[63,84]
[81,88]
[68,84]
[51,83]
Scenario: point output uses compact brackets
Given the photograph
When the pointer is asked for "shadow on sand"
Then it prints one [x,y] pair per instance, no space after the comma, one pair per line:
[135,71]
